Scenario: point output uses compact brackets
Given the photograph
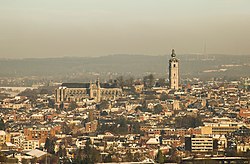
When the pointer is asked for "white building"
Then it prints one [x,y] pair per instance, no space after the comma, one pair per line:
[199,143]
[174,71]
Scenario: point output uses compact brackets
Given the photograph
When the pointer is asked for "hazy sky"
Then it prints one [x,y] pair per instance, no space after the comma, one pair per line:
[53,28]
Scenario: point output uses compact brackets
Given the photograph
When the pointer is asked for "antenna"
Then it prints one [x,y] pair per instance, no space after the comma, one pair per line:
[205,48]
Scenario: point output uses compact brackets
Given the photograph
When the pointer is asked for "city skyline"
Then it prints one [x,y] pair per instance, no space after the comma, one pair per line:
[94,81]
[41,29]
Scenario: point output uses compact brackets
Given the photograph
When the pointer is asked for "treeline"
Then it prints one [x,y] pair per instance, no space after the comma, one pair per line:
[120,126]
[86,155]
[148,81]
[121,64]
[188,122]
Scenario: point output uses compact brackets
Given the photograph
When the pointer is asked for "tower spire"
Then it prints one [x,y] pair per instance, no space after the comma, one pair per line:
[173,53]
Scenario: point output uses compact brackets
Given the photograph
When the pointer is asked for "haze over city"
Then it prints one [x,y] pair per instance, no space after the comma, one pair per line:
[59,28]
[124,81]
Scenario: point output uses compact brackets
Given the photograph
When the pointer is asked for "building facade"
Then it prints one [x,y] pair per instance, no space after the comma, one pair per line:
[199,143]
[40,133]
[78,92]
[174,71]
[2,137]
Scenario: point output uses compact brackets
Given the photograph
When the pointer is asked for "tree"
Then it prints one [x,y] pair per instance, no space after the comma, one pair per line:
[87,148]
[31,94]
[120,127]
[215,144]
[104,113]
[25,161]
[61,106]
[49,159]
[47,144]
[65,128]
[161,82]
[160,157]
[61,152]
[78,155]
[50,146]
[108,158]
[43,91]
[2,124]
[120,81]
[229,152]
[33,160]
[145,81]
[138,108]
[103,105]
[247,154]
[3,158]
[173,156]
[51,103]
[129,82]
[137,157]
[128,157]
[148,81]
[188,122]
[163,96]
[151,80]
[136,127]
[88,155]
[72,105]
[158,109]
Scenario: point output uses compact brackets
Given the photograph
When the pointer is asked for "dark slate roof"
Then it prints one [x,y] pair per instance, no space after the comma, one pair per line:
[174,60]
[108,85]
[76,85]
[87,85]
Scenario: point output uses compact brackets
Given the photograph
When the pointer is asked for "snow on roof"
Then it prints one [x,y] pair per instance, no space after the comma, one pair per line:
[153,141]
[36,153]
[9,144]
[2,133]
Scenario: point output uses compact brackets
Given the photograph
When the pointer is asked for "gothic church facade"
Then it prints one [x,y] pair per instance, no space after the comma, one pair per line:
[78,92]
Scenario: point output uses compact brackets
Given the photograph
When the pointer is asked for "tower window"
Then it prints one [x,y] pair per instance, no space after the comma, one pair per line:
[174,65]
[174,74]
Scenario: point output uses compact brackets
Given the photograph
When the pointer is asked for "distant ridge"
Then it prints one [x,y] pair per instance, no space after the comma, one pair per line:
[137,65]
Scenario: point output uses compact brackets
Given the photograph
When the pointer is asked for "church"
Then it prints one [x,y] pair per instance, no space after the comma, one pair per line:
[78,92]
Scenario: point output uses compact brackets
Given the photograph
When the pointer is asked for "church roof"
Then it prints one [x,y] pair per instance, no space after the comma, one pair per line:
[108,85]
[76,85]
[87,85]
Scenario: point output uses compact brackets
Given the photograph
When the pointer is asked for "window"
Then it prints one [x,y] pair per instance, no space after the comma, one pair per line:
[174,65]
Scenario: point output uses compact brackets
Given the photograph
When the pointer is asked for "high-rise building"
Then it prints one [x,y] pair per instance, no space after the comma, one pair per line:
[174,71]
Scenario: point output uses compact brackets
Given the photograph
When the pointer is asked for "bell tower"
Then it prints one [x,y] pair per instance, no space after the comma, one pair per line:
[174,71]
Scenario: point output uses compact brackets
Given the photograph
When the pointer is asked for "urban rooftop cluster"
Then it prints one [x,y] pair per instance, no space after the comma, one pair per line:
[128,120]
